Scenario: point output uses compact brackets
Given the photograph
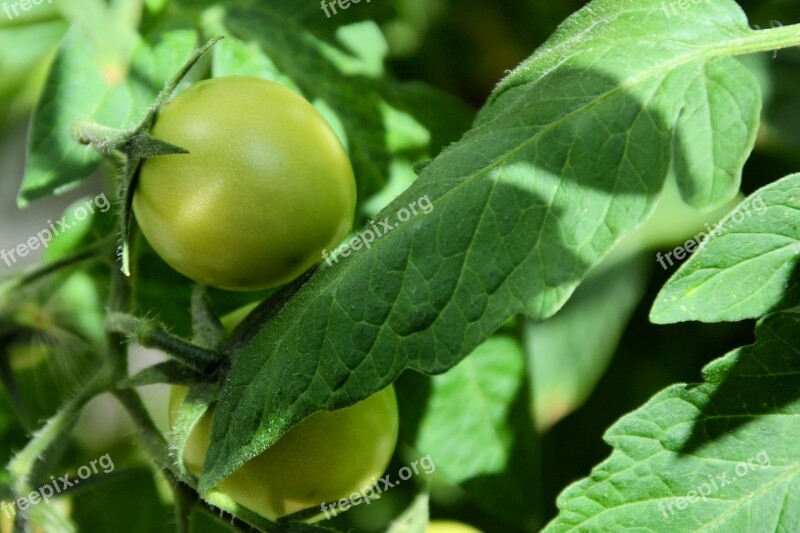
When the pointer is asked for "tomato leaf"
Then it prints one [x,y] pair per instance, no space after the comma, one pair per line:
[747,266]
[197,401]
[719,455]
[568,156]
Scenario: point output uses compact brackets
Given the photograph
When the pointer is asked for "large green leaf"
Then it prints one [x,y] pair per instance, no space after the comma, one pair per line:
[569,155]
[672,64]
[745,267]
[716,456]
[55,161]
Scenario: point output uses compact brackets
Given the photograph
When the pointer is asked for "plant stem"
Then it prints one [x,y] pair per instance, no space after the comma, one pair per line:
[27,465]
[119,300]
[153,335]
[229,519]
[132,147]
[54,430]
[131,174]
[185,489]
[104,139]
[184,503]
[170,87]
[764,40]
[154,441]
[264,312]
[92,251]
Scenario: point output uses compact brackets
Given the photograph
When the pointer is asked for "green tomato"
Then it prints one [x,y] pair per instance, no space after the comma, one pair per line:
[446,526]
[324,458]
[265,187]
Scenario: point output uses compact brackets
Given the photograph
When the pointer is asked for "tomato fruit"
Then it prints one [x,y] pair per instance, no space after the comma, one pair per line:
[447,526]
[327,456]
[265,187]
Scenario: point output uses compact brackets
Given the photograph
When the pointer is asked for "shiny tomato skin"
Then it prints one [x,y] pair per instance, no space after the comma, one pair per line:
[324,458]
[265,187]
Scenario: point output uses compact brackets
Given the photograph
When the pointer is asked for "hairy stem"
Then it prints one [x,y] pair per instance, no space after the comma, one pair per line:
[93,251]
[24,465]
[153,335]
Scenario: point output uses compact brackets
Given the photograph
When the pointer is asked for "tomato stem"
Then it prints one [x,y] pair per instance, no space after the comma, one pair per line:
[25,468]
[91,252]
[151,334]
[207,330]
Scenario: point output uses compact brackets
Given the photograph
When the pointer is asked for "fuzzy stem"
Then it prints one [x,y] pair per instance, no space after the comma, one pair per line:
[150,334]
[54,431]
[93,251]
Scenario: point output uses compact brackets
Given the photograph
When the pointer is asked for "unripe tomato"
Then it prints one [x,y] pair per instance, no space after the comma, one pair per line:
[324,458]
[265,187]
[447,526]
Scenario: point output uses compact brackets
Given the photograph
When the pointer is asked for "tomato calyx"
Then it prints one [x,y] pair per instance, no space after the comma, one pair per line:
[130,147]
[136,143]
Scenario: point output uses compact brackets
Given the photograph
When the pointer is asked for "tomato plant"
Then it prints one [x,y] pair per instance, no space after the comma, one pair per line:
[563,234]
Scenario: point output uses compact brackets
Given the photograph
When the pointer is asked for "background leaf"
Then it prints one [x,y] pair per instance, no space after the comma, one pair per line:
[26,46]
[746,267]
[570,351]
[102,510]
[475,424]
[414,519]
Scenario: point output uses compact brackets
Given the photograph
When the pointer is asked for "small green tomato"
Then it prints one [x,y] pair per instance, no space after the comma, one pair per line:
[447,526]
[265,187]
[324,458]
